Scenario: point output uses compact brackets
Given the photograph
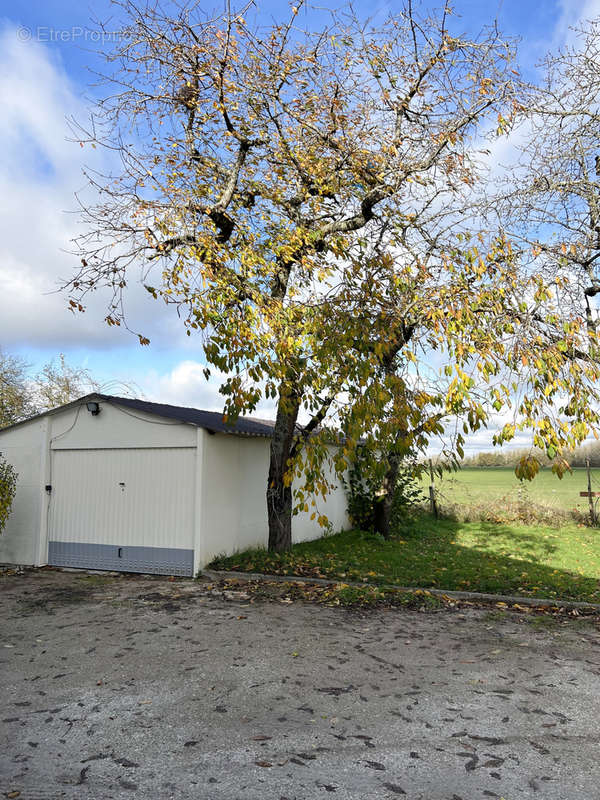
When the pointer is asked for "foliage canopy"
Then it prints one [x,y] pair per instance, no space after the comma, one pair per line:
[299,193]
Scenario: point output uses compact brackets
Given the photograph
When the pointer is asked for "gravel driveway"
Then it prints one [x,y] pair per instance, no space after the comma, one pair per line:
[134,687]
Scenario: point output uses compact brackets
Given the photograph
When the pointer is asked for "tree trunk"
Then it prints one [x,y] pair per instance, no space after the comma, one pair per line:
[384,504]
[279,496]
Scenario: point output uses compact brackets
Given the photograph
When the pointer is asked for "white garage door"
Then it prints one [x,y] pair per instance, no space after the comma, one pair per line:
[128,510]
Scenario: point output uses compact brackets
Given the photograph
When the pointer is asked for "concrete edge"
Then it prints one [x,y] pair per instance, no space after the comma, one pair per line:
[532,602]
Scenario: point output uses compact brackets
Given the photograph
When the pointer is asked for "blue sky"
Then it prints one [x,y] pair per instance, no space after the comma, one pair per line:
[46,53]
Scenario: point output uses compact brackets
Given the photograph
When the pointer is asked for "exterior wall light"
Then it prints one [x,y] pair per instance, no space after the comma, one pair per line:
[93,408]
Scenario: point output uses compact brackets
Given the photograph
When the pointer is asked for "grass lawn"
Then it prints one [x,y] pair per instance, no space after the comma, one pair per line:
[534,561]
[475,485]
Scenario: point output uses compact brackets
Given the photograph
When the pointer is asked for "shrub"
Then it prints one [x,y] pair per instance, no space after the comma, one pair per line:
[364,492]
[8,487]
[361,490]
[408,495]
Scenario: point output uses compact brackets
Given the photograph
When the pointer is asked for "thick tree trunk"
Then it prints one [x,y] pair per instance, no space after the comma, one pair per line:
[279,496]
[384,504]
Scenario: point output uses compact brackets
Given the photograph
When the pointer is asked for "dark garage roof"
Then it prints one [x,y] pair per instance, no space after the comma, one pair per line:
[209,420]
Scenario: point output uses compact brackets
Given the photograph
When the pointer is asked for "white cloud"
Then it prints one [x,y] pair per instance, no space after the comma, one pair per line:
[40,171]
[186,385]
[572,14]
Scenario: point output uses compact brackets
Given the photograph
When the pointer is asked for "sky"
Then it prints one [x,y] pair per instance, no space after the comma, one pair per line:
[48,53]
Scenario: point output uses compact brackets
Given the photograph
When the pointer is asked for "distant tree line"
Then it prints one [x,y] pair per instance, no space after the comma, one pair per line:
[24,394]
[510,458]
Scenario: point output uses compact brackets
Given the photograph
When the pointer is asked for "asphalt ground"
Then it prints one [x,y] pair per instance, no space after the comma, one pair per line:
[137,687]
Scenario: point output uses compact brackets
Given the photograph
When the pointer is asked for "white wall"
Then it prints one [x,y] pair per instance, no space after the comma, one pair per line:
[233,500]
[232,505]
[23,448]
[116,426]
[334,507]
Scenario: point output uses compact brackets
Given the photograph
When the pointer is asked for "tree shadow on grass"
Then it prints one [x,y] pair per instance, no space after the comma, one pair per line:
[529,543]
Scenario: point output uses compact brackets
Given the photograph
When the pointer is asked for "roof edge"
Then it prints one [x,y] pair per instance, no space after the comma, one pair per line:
[86,398]
[185,415]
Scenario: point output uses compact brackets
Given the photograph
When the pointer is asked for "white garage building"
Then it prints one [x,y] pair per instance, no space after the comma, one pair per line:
[115,483]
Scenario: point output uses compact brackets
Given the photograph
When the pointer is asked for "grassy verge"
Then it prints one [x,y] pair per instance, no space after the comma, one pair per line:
[531,561]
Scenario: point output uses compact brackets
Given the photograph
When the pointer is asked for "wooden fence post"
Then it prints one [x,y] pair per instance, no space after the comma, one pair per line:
[432,502]
[590,493]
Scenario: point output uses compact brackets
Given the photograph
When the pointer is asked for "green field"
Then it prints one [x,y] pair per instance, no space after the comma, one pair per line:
[476,486]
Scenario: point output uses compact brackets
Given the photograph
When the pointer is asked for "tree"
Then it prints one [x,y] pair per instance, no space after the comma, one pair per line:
[23,395]
[16,400]
[555,209]
[257,170]
[551,210]
[8,488]
[59,383]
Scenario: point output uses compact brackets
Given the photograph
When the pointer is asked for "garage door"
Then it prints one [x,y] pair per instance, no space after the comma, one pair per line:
[128,510]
